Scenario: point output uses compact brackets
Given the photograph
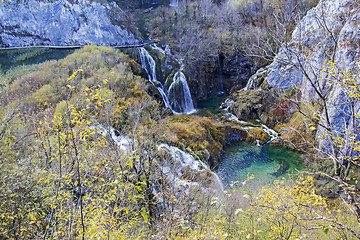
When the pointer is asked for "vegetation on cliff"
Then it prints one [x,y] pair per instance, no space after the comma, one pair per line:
[64,175]
[80,137]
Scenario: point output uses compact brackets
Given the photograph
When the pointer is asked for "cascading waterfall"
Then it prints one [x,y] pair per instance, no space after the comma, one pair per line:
[179,95]
[182,160]
[220,83]
[148,63]
[174,3]
[253,80]
[248,86]
[251,84]
[123,142]
[271,132]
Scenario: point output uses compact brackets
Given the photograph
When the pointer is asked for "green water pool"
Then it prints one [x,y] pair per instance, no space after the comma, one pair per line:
[266,163]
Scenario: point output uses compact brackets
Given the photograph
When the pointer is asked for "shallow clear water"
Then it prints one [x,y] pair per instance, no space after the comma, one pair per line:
[211,106]
[267,163]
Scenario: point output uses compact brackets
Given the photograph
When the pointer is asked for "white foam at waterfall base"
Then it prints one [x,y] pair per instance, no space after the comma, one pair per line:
[181,160]
[179,95]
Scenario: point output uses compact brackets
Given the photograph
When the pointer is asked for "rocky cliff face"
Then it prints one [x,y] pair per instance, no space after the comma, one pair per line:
[329,32]
[62,22]
[218,74]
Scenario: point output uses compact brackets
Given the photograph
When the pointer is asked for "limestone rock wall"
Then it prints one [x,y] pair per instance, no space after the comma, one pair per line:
[206,75]
[61,23]
[329,32]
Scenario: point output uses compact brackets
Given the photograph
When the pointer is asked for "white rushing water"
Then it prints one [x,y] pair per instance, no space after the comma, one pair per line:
[220,80]
[182,160]
[178,96]
[252,82]
[123,142]
[249,85]
[226,106]
[271,132]
[148,63]
[174,3]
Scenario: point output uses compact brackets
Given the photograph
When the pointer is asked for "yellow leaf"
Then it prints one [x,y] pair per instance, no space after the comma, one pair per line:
[32,217]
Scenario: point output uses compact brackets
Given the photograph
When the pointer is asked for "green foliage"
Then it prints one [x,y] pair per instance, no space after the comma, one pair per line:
[333,143]
[63,176]
[60,177]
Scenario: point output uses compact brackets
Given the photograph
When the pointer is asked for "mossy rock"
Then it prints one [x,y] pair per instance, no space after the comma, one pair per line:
[259,134]
[204,136]
[250,104]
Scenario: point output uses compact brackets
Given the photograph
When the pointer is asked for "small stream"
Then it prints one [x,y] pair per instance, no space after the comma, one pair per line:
[240,160]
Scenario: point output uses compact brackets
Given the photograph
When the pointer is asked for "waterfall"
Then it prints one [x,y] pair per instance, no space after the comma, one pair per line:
[231,117]
[179,95]
[181,161]
[148,63]
[253,80]
[271,132]
[174,3]
[249,85]
[220,83]
[123,142]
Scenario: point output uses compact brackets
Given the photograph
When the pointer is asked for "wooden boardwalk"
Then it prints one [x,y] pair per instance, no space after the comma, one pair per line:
[80,46]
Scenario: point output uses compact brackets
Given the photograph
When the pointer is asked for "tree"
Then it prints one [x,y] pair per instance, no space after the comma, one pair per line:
[328,99]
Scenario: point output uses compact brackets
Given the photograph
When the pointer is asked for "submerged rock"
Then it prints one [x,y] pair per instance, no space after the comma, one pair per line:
[284,166]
